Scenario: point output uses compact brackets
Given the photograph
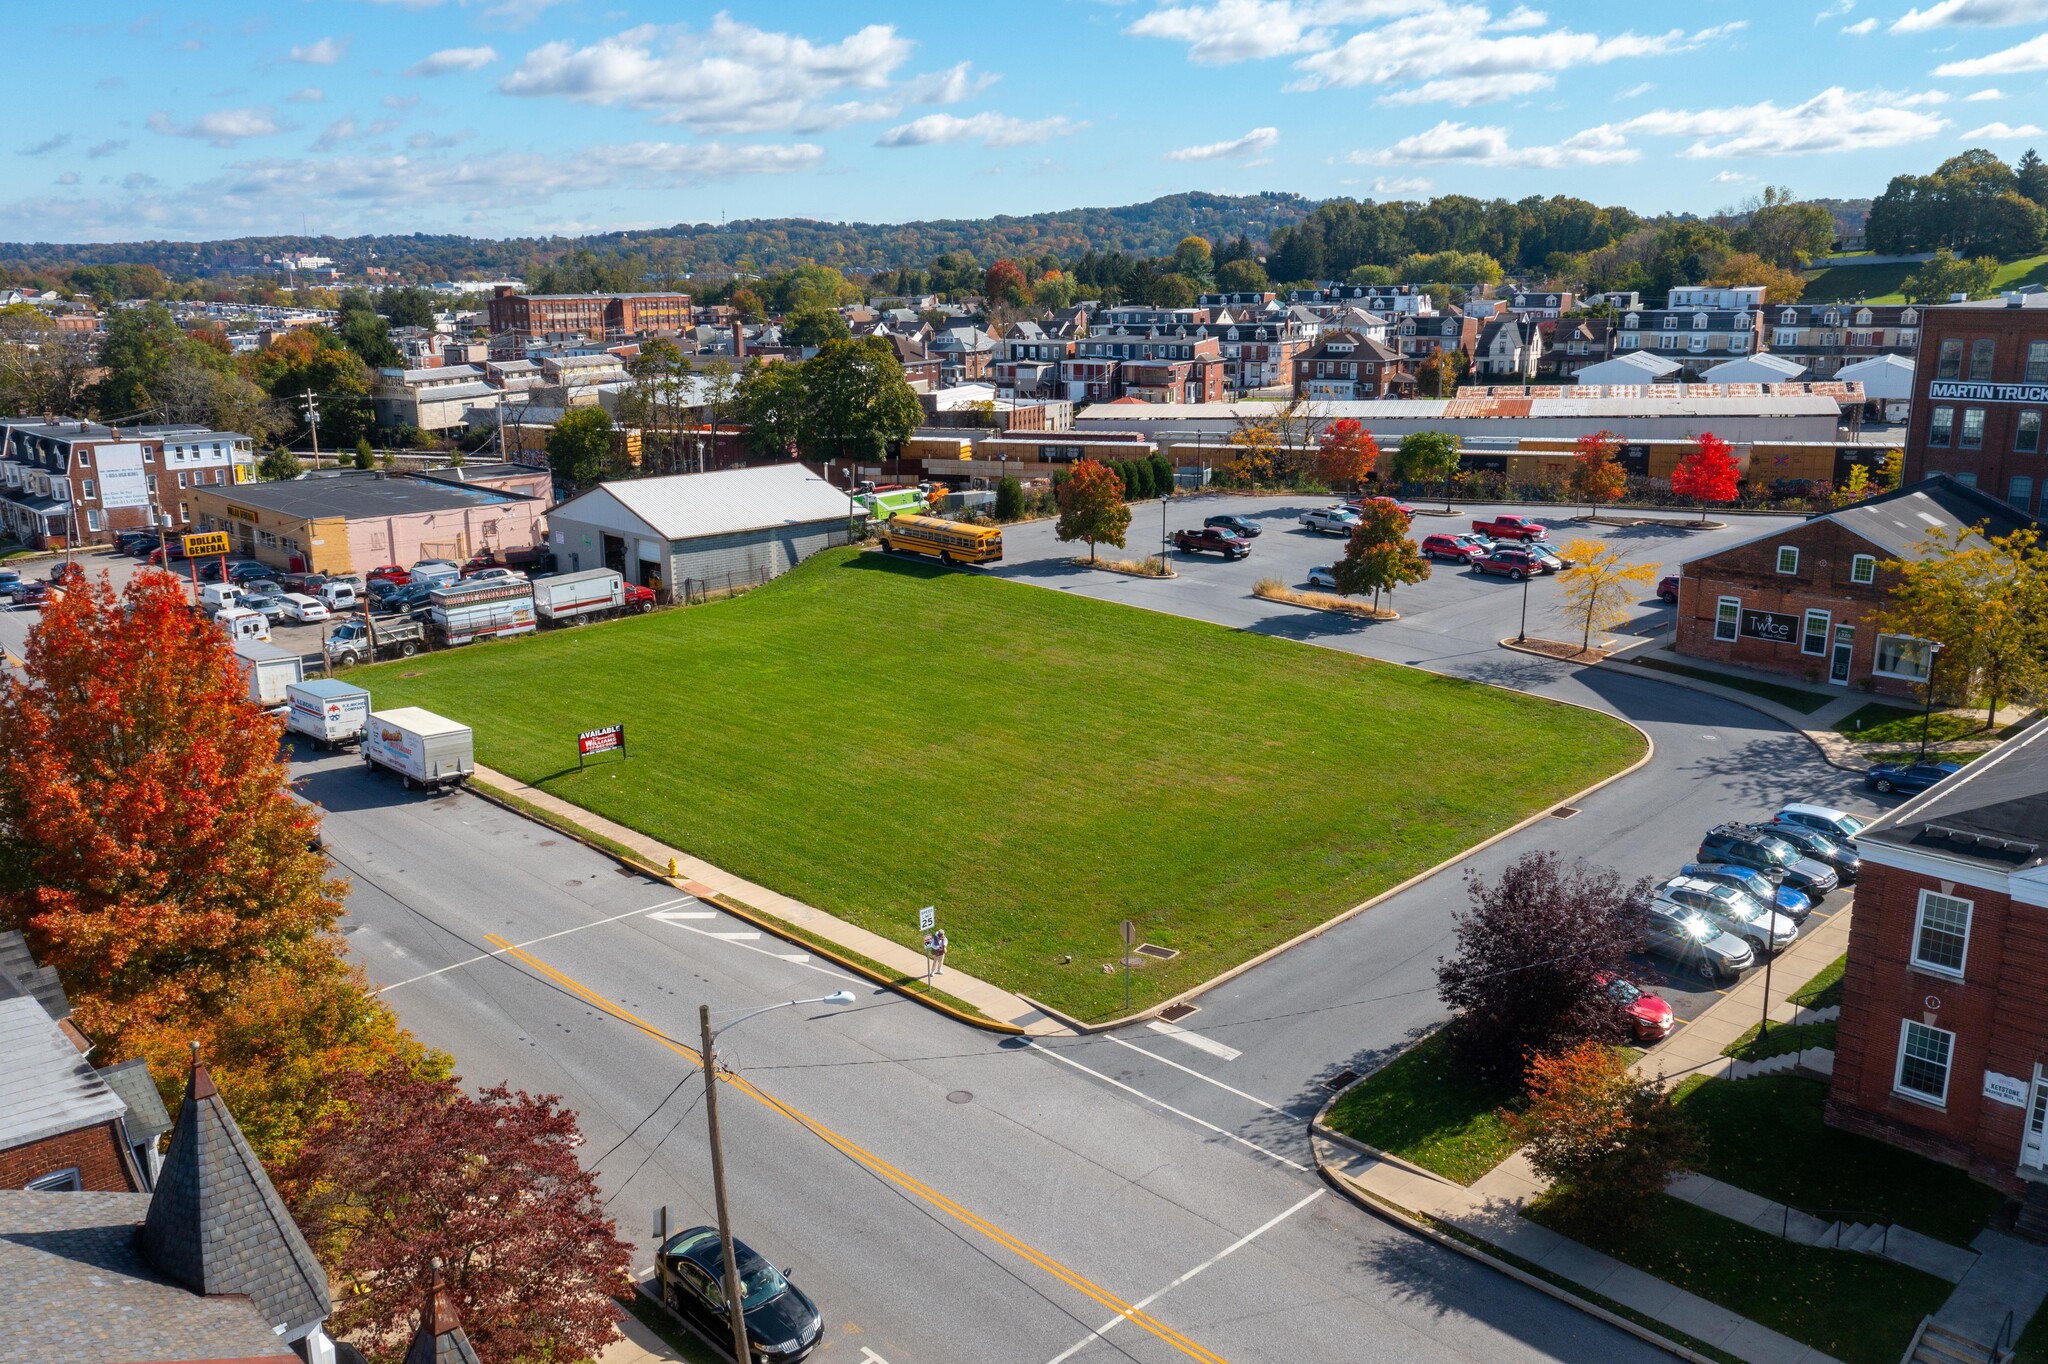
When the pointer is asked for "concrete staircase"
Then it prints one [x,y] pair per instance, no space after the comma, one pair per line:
[1813,1061]
[1939,1345]
[2032,1222]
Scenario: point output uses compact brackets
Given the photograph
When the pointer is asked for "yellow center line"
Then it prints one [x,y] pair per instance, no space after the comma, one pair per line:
[866,1158]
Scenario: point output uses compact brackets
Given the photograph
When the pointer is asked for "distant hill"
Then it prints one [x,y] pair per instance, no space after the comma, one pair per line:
[757,245]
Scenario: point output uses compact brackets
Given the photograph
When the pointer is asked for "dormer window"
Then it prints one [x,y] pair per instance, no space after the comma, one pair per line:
[1629,323]
[1670,324]
[1832,319]
[1742,320]
[1699,322]
[1863,318]
[1789,318]
[1910,318]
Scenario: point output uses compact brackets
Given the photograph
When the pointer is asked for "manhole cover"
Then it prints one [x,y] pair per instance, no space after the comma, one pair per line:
[1339,1080]
[1178,1012]
[1156,952]
[572,883]
[1564,812]
[960,1096]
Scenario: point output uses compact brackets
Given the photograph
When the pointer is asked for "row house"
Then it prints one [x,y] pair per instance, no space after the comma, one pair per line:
[1509,348]
[1571,344]
[1545,306]
[1028,362]
[1260,353]
[921,369]
[1349,367]
[1700,333]
[1239,302]
[1826,336]
[1421,336]
[1394,300]
[70,482]
[1193,370]
[964,353]
[1147,318]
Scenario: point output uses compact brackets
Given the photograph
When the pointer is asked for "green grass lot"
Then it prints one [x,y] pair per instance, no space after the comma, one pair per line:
[1783,1040]
[1855,1308]
[1824,989]
[871,735]
[1765,1134]
[1422,1107]
[1879,723]
[1881,283]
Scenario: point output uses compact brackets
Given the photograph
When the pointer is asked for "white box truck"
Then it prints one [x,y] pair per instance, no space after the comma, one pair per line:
[269,670]
[463,612]
[567,596]
[423,748]
[328,712]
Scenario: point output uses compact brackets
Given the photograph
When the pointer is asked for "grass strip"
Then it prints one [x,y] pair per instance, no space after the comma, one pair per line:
[1424,1108]
[1805,702]
[673,1333]
[1882,723]
[1824,990]
[1857,1308]
[1783,1039]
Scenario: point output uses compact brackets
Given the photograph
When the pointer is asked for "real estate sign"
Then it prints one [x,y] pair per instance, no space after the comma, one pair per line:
[122,481]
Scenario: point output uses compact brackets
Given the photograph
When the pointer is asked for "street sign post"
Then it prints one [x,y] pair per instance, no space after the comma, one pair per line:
[1130,936]
[206,542]
[927,918]
[592,741]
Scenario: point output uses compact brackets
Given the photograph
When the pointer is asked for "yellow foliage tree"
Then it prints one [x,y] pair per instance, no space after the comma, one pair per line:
[1599,586]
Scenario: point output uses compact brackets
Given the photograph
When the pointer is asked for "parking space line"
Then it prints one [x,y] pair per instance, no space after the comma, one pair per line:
[1190,1070]
[548,937]
[1160,1103]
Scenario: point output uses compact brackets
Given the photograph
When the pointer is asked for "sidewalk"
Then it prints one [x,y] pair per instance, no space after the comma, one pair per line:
[699,877]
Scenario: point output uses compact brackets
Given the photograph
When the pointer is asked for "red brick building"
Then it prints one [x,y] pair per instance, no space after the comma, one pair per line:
[1348,366]
[1798,600]
[1942,1046]
[1980,394]
[598,316]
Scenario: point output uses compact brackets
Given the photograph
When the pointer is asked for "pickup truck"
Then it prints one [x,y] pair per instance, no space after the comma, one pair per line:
[1331,520]
[1213,539]
[1510,528]
[349,644]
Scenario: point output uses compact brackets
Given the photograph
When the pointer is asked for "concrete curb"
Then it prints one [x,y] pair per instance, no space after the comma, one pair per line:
[1523,648]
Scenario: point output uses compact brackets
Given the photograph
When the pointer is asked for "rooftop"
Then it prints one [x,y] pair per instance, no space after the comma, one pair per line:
[1993,814]
[50,1086]
[354,494]
[724,502]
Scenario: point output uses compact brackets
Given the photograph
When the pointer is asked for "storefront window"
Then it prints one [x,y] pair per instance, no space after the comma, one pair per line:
[1901,656]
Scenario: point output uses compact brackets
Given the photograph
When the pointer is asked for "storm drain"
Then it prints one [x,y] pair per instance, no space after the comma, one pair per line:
[1156,952]
[1333,1083]
[1178,1012]
[1564,812]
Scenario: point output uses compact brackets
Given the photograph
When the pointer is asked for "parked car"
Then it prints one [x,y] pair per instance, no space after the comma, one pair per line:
[1331,520]
[213,569]
[1456,549]
[268,587]
[1787,901]
[1747,846]
[389,573]
[1322,576]
[1667,588]
[1731,911]
[1242,525]
[1649,1016]
[249,571]
[31,596]
[403,600]
[1686,938]
[268,605]
[1839,825]
[1909,778]
[1511,562]
[308,583]
[783,1325]
[300,607]
[436,571]
[1552,561]
[10,582]
[1358,504]
[1211,540]
[494,574]
[1820,847]
[337,595]
[1511,528]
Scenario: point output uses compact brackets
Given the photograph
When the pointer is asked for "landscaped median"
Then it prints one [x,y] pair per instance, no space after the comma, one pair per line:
[871,735]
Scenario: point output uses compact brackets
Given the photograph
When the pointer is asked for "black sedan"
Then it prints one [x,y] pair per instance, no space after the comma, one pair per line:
[782,1324]
[1832,852]
[1242,525]
[1909,778]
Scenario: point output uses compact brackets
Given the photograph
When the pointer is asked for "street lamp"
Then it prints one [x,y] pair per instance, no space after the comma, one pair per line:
[1522,634]
[735,1305]
[1927,711]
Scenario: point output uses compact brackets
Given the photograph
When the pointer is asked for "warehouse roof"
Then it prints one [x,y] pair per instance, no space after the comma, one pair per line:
[1676,404]
[359,494]
[686,506]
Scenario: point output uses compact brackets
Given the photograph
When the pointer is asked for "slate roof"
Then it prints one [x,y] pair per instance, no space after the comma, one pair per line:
[74,1286]
[440,1338]
[217,1225]
[1993,813]
[147,1118]
[49,1086]
[41,981]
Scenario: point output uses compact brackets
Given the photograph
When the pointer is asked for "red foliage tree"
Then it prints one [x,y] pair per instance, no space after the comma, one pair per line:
[412,1169]
[148,846]
[1597,475]
[1347,454]
[1005,286]
[1708,474]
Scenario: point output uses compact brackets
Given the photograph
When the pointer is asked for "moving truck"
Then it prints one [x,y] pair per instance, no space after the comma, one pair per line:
[270,672]
[595,592]
[328,712]
[423,748]
[462,611]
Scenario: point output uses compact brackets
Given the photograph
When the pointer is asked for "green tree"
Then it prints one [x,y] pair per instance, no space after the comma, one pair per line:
[364,458]
[1195,260]
[1986,604]
[1173,291]
[857,402]
[313,359]
[410,306]
[657,401]
[279,463]
[2032,174]
[1426,457]
[1009,498]
[1942,278]
[814,327]
[771,403]
[1092,506]
[1784,232]
[580,446]
[140,346]
[1242,277]
[1379,556]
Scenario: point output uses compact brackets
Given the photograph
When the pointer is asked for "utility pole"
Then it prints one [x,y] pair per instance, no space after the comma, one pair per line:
[312,411]
[735,1307]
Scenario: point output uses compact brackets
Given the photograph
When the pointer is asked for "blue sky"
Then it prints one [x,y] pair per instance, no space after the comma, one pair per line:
[513,117]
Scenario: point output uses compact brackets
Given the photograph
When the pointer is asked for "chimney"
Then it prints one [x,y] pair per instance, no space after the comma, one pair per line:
[739,339]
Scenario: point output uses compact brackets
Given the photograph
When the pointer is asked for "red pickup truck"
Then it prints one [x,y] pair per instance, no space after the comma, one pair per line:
[1511,528]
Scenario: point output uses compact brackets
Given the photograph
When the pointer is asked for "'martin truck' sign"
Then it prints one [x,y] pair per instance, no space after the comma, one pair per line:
[1962,390]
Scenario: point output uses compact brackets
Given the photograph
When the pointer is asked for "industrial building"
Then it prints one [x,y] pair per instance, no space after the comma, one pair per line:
[353,521]
[691,534]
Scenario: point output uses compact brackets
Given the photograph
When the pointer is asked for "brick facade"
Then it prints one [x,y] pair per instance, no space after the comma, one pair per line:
[1980,400]
[99,1153]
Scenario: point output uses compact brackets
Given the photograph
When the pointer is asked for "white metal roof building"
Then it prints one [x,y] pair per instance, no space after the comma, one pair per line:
[692,534]
[1637,367]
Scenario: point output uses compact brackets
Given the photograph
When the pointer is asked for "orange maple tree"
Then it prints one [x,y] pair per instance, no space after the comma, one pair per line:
[1346,454]
[1708,473]
[148,847]
[1608,1137]
[1597,475]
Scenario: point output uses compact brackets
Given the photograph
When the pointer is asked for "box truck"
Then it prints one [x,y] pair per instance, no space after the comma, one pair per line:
[328,712]
[243,624]
[462,612]
[269,671]
[423,748]
[590,595]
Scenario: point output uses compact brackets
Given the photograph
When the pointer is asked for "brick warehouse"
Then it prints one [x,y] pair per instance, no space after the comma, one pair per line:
[1798,601]
[1980,393]
[1942,1046]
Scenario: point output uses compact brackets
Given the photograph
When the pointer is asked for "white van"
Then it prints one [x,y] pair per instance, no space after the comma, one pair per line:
[339,596]
[241,623]
[217,597]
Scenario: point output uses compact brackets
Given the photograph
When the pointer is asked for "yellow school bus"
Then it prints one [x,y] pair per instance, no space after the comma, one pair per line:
[950,541]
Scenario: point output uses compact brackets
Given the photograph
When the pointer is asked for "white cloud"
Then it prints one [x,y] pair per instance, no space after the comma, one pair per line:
[1521,16]
[1634,91]
[1401,186]
[1999,132]
[1731,178]
[1835,10]
[340,131]
[1445,45]
[311,94]
[1971,14]
[1253,143]
[453,59]
[68,178]
[2031,55]
[1861,27]
[1460,143]
[322,52]
[1227,31]
[1980,96]
[990,129]
[732,77]
[1466,91]
[99,151]
[221,127]
[1835,120]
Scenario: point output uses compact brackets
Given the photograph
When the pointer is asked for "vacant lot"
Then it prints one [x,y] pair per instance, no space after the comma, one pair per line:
[870,736]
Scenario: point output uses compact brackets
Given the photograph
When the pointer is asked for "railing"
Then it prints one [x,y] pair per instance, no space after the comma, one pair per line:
[1842,1218]
[2005,1339]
